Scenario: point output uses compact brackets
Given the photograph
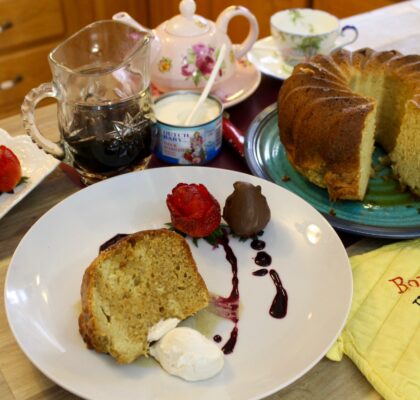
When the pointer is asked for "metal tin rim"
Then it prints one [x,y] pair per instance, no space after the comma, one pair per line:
[183,92]
[252,137]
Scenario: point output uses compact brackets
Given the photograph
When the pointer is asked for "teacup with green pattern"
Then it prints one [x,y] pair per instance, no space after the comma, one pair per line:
[300,33]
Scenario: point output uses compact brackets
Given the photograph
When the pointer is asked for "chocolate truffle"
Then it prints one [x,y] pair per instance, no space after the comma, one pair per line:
[246,210]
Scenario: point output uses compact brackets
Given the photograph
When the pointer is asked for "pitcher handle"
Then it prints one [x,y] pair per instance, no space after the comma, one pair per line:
[222,23]
[28,113]
[342,34]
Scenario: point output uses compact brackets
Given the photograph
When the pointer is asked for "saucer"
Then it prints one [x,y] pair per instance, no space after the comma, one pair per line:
[267,58]
[239,87]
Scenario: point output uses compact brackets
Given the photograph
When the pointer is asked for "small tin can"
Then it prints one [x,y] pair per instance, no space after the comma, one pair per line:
[187,145]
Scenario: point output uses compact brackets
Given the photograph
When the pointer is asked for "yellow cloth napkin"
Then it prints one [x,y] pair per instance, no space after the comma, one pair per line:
[382,333]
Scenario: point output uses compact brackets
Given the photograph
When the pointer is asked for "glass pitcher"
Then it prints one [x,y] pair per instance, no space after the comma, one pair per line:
[101,83]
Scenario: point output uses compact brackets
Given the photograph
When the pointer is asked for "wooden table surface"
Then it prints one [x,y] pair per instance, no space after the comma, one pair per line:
[20,380]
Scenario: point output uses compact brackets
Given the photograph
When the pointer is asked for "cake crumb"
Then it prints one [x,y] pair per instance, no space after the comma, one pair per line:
[285,178]
[332,212]
[385,161]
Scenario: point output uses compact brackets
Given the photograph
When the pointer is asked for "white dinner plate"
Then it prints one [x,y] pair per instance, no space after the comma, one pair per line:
[35,163]
[42,290]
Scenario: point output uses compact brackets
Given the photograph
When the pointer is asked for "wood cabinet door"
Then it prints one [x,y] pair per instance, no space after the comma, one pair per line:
[24,23]
[27,68]
[82,12]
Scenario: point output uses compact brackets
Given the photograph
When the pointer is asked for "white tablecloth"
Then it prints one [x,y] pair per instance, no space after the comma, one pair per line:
[395,27]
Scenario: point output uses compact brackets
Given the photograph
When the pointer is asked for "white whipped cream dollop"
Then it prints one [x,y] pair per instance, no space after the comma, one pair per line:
[186,353]
[161,328]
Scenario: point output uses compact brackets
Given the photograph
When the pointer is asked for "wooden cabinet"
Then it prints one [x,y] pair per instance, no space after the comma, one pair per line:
[19,72]
[26,25]
[30,29]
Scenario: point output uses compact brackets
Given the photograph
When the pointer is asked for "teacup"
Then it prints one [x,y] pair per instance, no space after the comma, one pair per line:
[300,33]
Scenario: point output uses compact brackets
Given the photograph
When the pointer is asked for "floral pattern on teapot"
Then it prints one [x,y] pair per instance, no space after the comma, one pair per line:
[165,64]
[199,62]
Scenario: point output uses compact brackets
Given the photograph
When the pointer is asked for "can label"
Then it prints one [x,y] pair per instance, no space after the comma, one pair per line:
[189,145]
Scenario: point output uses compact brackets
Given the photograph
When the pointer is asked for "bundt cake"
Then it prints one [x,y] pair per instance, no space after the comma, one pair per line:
[142,279]
[334,107]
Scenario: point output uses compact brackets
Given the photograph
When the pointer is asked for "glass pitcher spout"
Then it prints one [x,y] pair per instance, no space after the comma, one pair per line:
[105,61]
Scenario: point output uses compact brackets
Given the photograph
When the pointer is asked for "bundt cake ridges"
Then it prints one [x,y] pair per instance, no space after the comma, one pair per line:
[390,78]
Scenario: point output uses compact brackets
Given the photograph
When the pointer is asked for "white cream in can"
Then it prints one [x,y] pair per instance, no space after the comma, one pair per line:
[194,144]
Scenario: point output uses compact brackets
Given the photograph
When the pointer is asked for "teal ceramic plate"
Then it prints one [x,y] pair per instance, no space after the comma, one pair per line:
[385,212]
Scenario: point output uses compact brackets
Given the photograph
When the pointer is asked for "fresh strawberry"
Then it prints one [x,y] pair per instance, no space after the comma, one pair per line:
[193,209]
[10,170]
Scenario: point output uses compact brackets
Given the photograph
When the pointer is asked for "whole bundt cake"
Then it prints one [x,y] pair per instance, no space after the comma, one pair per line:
[333,108]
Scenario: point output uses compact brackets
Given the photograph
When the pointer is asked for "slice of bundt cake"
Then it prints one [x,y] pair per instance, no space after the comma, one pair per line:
[333,108]
[143,278]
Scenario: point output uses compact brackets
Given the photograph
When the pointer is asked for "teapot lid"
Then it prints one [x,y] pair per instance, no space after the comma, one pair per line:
[187,23]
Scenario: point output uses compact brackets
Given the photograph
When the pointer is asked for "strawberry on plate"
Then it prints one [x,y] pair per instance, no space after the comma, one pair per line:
[10,170]
[193,209]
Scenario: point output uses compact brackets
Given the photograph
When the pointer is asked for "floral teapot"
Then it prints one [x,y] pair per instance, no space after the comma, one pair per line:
[185,48]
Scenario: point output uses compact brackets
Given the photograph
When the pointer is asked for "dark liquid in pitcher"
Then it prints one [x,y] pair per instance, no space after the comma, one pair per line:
[106,139]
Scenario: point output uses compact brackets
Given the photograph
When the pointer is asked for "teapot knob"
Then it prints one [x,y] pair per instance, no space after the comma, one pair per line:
[187,8]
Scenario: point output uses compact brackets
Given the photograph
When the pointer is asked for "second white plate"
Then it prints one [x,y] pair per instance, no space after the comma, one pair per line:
[36,165]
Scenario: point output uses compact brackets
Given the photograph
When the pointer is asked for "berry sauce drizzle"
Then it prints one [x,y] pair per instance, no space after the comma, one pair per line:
[112,241]
[227,307]
[217,338]
[260,272]
[258,244]
[278,308]
[263,259]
